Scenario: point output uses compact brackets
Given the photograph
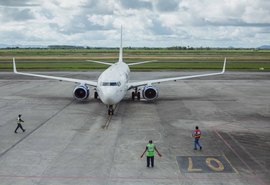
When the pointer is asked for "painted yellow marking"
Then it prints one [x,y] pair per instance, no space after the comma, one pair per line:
[220,166]
[190,166]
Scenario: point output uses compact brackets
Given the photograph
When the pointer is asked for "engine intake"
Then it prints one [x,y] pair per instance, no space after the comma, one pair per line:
[81,92]
[150,92]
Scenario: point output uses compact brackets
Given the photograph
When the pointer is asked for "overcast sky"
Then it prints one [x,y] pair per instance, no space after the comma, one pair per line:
[151,23]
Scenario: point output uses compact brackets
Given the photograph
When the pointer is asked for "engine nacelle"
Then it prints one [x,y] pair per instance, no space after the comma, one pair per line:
[150,92]
[81,92]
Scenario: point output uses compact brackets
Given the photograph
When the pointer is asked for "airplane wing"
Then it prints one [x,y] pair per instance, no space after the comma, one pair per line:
[91,83]
[148,82]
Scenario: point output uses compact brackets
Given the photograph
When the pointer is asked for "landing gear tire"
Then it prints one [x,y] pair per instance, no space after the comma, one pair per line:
[133,96]
[110,110]
[95,95]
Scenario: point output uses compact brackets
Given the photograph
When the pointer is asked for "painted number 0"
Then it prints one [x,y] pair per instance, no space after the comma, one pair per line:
[209,162]
[220,166]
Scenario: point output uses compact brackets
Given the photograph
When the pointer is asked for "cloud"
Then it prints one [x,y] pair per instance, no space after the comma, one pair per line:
[11,14]
[136,4]
[17,3]
[237,23]
[99,7]
[167,6]
[146,22]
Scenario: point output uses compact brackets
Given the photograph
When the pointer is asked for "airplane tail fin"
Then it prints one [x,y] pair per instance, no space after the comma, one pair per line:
[121,49]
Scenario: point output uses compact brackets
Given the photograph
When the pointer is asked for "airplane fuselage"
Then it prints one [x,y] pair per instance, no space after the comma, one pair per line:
[112,84]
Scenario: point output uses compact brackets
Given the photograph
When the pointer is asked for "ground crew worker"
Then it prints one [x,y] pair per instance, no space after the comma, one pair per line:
[197,135]
[150,148]
[19,125]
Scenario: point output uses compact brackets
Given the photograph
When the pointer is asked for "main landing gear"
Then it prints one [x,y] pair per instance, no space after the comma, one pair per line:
[110,110]
[95,95]
[136,93]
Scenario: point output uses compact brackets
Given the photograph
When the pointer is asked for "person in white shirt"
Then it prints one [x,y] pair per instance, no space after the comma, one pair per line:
[19,125]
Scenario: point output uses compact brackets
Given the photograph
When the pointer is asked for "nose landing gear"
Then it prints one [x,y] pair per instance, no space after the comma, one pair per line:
[110,110]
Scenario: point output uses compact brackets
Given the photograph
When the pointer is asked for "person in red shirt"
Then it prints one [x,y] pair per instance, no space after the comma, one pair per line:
[197,135]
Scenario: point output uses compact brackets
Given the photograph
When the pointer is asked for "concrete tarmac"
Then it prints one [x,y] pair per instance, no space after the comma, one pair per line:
[65,141]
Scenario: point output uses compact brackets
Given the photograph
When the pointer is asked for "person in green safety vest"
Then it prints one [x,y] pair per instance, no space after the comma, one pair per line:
[150,149]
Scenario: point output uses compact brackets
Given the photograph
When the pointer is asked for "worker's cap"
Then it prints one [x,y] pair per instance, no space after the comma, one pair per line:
[150,141]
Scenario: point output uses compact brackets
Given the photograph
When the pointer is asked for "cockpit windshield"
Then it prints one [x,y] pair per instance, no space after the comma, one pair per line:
[111,83]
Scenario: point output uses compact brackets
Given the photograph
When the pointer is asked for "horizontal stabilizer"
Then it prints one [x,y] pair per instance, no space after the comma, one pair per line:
[99,62]
[143,62]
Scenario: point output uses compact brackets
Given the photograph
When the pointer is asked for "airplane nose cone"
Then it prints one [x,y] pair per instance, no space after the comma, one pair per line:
[108,100]
[108,97]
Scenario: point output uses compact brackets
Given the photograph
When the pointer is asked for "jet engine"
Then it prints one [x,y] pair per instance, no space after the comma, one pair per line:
[81,92]
[150,92]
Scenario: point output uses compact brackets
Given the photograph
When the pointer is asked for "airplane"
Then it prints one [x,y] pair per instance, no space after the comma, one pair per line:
[113,84]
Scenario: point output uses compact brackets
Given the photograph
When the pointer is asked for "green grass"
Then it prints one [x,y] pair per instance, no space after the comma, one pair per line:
[156,65]
[132,52]
[168,59]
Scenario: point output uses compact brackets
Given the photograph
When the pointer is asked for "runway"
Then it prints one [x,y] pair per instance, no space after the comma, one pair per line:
[65,141]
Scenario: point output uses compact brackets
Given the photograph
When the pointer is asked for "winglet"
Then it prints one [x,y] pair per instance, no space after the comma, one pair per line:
[224,65]
[14,66]
[121,49]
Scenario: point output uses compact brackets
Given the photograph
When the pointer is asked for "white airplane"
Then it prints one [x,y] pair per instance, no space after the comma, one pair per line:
[113,84]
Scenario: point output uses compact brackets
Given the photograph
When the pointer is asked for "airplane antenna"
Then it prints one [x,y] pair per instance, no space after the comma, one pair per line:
[121,49]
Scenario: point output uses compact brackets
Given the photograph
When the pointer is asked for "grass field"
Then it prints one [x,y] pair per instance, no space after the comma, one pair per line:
[168,59]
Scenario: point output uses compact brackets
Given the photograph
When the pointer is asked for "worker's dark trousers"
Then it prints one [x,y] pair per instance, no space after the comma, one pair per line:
[19,126]
[150,160]
[196,143]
